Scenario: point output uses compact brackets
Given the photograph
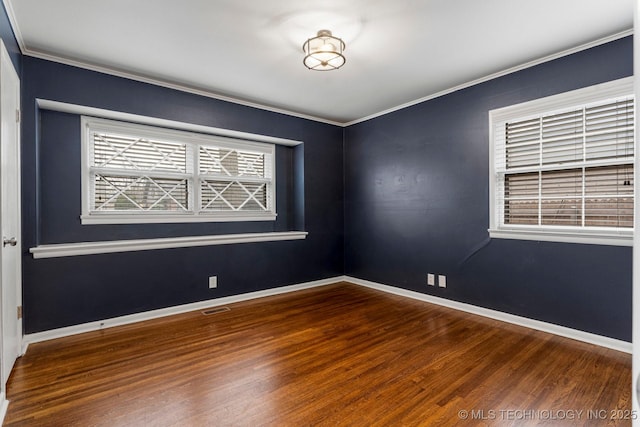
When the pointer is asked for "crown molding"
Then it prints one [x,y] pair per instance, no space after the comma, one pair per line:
[170,85]
[496,75]
[211,94]
[8,6]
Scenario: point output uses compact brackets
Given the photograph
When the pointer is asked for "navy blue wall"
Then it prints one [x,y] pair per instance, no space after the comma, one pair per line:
[417,201]
[60,292]
[414,200]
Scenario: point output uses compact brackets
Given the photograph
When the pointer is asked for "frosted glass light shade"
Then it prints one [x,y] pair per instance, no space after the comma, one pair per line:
[324,52]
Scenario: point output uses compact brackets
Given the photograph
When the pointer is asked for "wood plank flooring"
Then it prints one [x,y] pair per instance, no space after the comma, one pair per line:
[336,355]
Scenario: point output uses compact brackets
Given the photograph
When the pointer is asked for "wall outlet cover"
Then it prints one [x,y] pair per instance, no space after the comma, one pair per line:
[442,281]
[431,279]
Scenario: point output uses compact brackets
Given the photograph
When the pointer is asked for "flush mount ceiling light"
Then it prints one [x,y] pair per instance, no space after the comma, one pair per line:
[324,52]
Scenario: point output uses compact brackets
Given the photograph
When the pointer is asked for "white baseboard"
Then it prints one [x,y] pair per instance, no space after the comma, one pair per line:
[499,315]
[4,405]
[468,308]
[163,312]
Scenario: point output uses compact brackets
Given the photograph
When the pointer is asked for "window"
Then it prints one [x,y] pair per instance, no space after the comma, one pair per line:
[134,173]
[563,167]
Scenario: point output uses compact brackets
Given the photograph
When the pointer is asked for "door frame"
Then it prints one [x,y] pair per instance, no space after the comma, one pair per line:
[7,66]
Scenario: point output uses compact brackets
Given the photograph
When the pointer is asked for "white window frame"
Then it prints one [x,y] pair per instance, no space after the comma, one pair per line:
[193,141]
[499,117]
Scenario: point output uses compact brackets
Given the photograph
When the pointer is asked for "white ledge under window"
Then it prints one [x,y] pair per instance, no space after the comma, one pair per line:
[566,236]
[104,247]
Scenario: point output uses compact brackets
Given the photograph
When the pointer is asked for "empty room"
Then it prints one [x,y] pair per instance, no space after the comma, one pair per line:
[296,213]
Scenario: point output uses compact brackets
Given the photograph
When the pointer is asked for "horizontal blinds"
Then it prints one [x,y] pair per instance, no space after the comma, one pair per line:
[561,137]
[232,163]
[124,168]
[581,135]
[609,131]
[118,193]
[234,180]
[553,168]
[608,195]
[233,196]
[130,173]
[523,143]
[130,152]
[596,197]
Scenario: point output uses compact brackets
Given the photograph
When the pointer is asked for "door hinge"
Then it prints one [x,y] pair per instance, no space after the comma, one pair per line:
[17,116]
[19,312]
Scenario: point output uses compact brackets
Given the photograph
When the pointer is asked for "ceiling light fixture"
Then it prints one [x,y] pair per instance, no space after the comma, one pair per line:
[324,52]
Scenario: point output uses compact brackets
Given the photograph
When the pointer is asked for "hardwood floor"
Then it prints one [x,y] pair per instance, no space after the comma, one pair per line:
[336,355]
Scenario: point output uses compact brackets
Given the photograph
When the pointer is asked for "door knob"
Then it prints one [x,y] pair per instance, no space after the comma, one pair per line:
[11,242]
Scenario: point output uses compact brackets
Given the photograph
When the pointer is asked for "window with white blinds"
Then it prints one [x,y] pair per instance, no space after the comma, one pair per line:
[134,173]
[564,166]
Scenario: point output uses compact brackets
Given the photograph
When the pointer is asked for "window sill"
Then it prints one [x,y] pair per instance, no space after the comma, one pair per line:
[104,247]
[564,236]
[93,219]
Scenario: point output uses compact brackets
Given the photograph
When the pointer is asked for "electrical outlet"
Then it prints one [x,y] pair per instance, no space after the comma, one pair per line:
[213,282]
[442,281]
[431,279]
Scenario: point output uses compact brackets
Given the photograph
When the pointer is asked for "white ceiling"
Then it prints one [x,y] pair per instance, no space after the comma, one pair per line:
[398,51]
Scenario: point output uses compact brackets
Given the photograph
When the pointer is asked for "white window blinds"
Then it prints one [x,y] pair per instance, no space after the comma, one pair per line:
[130,173]
[571,168]
[140,171]
[233,180]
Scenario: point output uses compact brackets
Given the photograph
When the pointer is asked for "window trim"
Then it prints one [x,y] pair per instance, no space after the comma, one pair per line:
[89,217]
[591,235]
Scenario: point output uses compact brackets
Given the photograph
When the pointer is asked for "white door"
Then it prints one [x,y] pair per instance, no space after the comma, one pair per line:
[10,249]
